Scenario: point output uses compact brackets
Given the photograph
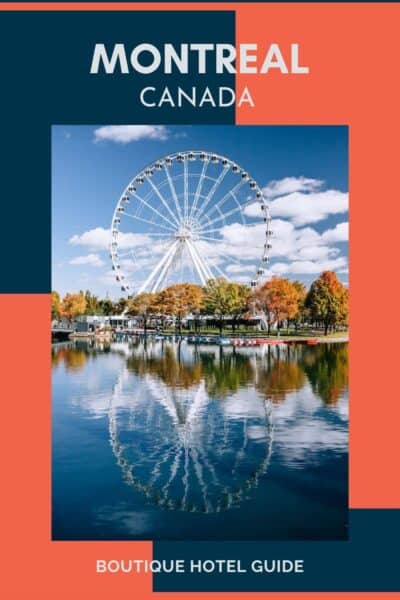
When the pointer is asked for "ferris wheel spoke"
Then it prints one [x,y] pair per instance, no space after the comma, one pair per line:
[211,193]
[149,222]
[156,472]
[185,190]
[155,210]
[198,470]
[220,218]
[208,239]
[164,202]
[232,193]
[156,234]
[174,469]
[173,191]
[221,273]
[199,188]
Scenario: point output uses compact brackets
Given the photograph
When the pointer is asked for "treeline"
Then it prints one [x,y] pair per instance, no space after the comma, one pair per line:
[279,301]
[84,303]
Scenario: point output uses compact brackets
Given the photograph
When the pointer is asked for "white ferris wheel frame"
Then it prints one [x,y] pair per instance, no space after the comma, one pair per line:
[183,221]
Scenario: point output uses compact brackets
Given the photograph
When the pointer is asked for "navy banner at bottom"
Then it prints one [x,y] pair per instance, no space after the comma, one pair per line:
[368,561]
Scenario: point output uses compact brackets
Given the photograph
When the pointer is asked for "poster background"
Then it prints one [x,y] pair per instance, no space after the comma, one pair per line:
[352,50]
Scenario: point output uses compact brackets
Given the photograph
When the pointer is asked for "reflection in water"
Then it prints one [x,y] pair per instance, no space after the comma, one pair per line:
[74,355]
[327,369]
[195,428]
[183,450]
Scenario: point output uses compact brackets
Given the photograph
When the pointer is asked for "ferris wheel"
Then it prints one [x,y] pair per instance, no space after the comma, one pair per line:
[189,217]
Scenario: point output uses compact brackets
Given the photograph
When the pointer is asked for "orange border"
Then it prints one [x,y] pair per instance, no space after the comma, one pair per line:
[353,63]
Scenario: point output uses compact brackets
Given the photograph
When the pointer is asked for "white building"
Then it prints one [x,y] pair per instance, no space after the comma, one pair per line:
[88,323]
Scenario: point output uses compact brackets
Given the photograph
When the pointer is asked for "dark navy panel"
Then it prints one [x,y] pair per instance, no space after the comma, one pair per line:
[369,561]
[45,78]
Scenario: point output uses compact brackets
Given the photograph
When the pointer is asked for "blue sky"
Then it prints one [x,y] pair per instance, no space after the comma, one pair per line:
[302,170]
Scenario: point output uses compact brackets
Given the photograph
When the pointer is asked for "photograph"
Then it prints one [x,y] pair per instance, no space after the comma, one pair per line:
[199,332]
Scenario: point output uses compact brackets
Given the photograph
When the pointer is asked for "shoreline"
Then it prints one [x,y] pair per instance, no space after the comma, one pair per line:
[197,338]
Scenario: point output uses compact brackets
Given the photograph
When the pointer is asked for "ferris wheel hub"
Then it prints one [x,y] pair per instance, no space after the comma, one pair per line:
[184,233]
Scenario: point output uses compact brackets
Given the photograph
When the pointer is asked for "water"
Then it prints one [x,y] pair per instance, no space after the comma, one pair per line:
[172,440]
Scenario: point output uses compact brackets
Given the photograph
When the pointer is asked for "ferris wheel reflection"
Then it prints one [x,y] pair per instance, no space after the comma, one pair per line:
[182,442]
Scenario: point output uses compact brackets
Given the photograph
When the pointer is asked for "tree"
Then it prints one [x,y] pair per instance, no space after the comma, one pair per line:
[120,306]
[55,305]
[278,298]
[239,297]
[144,306]
[181,299]
[327,301]
[163,305]
[106,307]
[301,299]
[92,304]
[72,306]
[216,299]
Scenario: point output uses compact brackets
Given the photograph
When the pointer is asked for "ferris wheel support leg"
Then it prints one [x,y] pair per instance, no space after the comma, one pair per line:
[202,269]
[166,267]
[158,267]
[209,274]
[202,275]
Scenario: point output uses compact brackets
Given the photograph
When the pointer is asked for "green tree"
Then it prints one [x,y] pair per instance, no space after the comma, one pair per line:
[239,297]
[106,307]
[120,306]
[92,304]
[216,299]
[327,301]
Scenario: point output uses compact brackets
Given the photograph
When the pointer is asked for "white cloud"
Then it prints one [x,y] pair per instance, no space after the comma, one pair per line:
[301,246]
[99,239]
[303,209]
[239,268]
[253,210]
[308,267]
[339,234]
[289,185]
[93,260]
[314,253]
[124,134]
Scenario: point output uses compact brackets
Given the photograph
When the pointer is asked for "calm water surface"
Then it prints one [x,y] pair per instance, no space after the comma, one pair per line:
[171,440]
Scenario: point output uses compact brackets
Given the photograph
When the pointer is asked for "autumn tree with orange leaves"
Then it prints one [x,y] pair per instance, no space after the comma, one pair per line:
[278,298]
[179,300]
[72,306]
[144,306]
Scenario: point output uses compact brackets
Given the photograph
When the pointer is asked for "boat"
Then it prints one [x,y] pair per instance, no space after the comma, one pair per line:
[222,341]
